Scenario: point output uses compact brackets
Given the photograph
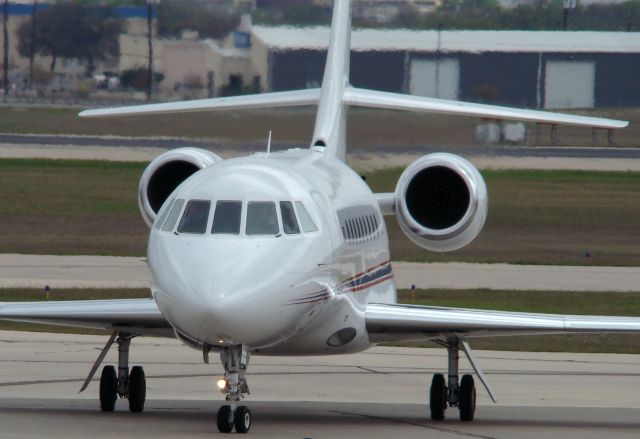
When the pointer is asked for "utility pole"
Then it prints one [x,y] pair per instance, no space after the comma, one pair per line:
[568,4]
[32,45]
[150,4]
[5,32]
[438,48]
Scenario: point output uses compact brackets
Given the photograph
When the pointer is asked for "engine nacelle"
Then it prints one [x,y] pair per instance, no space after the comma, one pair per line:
[165,173]
[441,202]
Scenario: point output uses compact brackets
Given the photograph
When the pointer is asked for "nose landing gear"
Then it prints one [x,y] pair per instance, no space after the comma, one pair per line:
[235,360]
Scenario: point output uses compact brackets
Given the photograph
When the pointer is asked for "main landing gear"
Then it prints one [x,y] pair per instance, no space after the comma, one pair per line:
[235,360]
[455,393]
[131,385]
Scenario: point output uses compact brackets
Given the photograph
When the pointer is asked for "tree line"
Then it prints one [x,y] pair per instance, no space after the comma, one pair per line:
[81,30]
[477,15]
[534,15]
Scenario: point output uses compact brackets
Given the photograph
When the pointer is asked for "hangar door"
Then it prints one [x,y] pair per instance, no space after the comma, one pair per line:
[435,78]
[569,84]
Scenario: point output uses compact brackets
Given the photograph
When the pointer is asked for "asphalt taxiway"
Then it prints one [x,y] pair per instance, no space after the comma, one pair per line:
[364,159]
[380,393]
[36,271]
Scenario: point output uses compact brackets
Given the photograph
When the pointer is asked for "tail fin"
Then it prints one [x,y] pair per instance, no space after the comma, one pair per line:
[331,119]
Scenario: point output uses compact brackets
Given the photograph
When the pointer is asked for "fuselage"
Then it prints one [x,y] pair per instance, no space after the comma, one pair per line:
[278,252]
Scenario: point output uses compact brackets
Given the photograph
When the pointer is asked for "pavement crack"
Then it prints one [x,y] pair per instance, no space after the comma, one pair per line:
[372,370]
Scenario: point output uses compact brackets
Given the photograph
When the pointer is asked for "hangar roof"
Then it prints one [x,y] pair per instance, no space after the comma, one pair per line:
[365,40]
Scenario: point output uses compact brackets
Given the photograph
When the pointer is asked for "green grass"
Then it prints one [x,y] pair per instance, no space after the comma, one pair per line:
[543,217]
[537,217]
[552,302]
[70,207]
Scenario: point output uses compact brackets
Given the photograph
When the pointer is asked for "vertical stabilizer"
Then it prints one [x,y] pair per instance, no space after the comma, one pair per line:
[331,120]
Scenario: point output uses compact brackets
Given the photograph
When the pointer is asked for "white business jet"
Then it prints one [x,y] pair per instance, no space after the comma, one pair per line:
[286,253]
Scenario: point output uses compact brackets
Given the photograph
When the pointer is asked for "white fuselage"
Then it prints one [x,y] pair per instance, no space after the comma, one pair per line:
[300,293]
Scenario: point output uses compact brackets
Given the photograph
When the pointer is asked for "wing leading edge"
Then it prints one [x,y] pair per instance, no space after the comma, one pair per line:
[297,98]
[140,316]
[394,101]
[408,322]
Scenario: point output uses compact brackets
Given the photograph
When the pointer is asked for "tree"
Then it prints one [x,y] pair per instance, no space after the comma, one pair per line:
[175,16]
[73,30]
[5,39]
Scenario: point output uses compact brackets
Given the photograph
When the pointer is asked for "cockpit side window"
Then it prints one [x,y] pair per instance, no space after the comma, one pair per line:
[262,218]
[164,214]
[226,220]
[305,219]
[195,217]
[289,222]
[172,219]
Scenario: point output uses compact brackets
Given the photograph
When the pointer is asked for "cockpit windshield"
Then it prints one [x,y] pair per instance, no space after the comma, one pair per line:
[195,217]
[305,219]
[227,218]
[262,218]
[172,219]
[289,222]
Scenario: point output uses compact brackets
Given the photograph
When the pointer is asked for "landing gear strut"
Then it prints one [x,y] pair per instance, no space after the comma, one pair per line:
[235,360]
[124,384]
[460,393]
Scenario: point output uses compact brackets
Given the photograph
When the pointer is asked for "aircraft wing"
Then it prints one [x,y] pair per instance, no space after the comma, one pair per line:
[297,98]
[378,99]
[410,322]
[140,316]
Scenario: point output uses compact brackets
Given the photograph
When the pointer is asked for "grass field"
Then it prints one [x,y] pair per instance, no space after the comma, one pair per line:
[366,127]
[538,217]
[618,304]
[70,207]
[544,217]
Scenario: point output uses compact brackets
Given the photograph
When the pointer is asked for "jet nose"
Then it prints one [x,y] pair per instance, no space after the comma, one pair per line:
[226,289]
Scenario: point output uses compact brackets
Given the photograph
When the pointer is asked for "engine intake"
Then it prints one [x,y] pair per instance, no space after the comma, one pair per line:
[165,173]
[441,202]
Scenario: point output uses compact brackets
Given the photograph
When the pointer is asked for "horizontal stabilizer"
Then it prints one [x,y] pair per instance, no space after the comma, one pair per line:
[296,98]
[377,99]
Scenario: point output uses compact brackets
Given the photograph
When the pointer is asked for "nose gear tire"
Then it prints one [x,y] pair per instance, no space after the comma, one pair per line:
[225,425]
[242,419]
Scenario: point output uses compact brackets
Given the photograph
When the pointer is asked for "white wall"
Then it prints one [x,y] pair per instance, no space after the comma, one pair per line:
[569,84]
[436,79]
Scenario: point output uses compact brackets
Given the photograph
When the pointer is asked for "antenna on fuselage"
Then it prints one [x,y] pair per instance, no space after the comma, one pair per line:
[269,144]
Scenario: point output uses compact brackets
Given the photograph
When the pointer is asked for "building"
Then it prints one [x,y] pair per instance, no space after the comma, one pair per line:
[519,68]
[193,67]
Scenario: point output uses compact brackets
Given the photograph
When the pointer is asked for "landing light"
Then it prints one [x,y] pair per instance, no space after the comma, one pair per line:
[222,384]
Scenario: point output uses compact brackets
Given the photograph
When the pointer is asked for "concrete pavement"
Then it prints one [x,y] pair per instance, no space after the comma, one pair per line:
[376,394]
[36,271]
